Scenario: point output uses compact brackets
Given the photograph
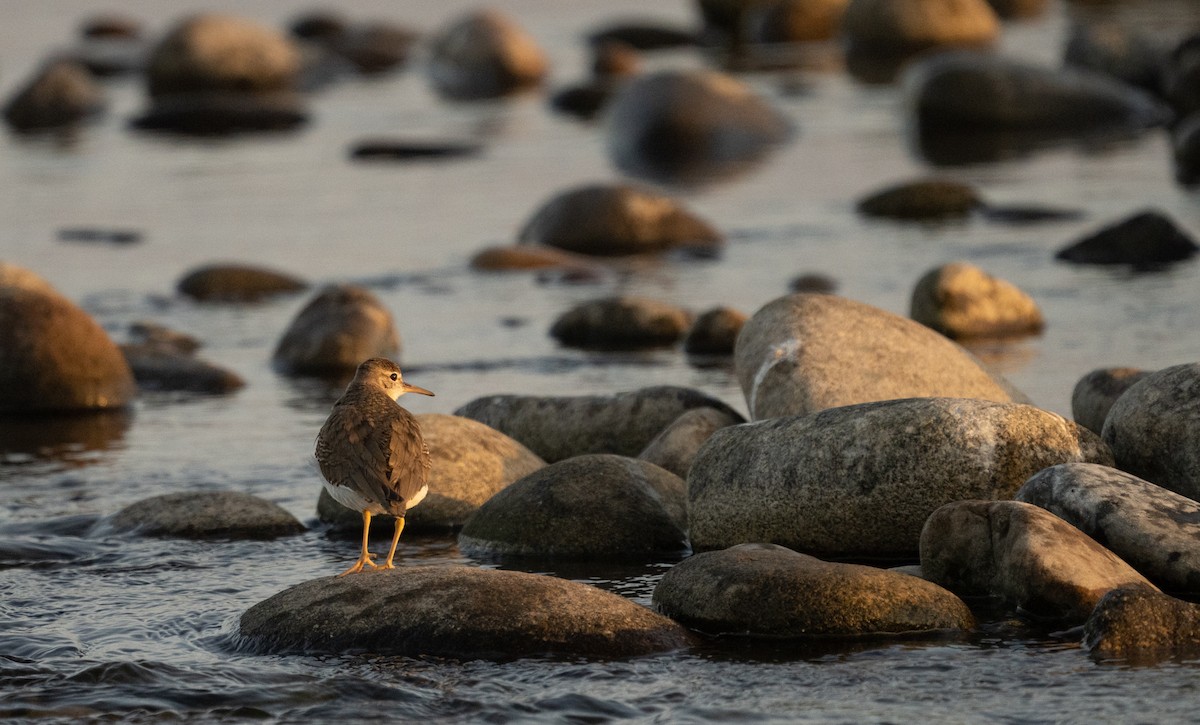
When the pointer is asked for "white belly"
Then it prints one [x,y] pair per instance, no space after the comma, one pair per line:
[351,499]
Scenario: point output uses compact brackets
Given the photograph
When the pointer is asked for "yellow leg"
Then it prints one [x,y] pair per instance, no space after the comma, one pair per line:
[395,540]
[364,559]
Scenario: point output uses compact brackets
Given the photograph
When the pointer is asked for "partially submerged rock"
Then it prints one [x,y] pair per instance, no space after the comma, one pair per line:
[621,323]
[714,332]
[1146,239]
[60,94]
[961,301]
[339,328]
[213,52]
[237,283]
[903,27]
[922,200]
[157,367]
[483,55]
[206,515]
[1142,626]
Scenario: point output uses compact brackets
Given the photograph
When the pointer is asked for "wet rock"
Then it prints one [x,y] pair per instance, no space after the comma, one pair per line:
[320,26]
[1185,145]
[1096,392]
[160,368]
[807,352]
[557,428]
[813,282]
[339,328]
[960,301]
[376,47]
[895,27]
[690,125]
[617,219]
[145,332]
[111,25]
[1154,530]
[484,55]
[621,323]
[222,113]
[1154,429]
[1117,51]
[923,200]
[861,480]
[525,257]
[413,150]
[471,462]
[677,445]
[206,515]
[456,611]
[62,93]
[714,332]
[1010,9]
[1181,76]
[793,21]
[211,52]
[643,36]
[764,590]
[593,507]
[1146,239]
[1143,626]
[237,283]
[1023,555]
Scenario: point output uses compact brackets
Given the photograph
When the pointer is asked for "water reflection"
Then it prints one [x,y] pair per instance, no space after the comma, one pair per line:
[66,438]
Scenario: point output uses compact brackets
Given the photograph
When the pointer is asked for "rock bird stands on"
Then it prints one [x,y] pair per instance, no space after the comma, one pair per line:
[371,452]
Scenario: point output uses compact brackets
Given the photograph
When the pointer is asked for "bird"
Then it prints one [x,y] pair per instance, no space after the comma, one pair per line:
[372,454]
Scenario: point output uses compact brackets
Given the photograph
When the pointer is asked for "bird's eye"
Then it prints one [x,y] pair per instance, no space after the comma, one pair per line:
[394,376]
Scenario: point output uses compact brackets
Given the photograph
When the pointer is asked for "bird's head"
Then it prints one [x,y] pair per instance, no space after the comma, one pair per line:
[384,374]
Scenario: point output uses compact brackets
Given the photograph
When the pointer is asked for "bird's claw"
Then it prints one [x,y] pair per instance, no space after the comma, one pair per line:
[358,566]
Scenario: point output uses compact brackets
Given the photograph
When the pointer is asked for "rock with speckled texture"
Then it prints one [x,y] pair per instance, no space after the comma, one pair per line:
[206,515]
[1095,393]
[1142,626]
[962,301]
[676,447]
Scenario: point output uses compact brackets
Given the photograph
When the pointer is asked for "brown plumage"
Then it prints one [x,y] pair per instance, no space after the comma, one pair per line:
[371,451]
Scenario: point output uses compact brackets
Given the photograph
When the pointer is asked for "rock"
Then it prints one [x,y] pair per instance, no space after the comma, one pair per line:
[1185,146]
[206,515]
[94,235]
[158,367]
[484,55]
[764,590]
[53,356]
[526,257]
[1117,51]
[714,332]
[902,27]
[62,93]
[146,332]
[376,47]
[807,352]
[1096,392]
[211,52]
[923,200]
[643,36]
[471,462]
[557,428]
[1181,76]
[410,150]
[793,21]
[593,507]
[320,26]
[12,275]
[961,301]
[690,126]
[456,611]
[1154,429]
[677,445]
[813,282]
[585,101]
[725,17]
[111,25]
[607,220]
[613,60]
[237,283]
[1142,625]
[1010,9]
[222,113]
[1023,555]
[1146,239]
[621,323]
[859,481]
[1154,530]
[339,328]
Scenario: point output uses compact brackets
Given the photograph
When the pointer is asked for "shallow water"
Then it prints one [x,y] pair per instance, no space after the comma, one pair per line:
[94,625]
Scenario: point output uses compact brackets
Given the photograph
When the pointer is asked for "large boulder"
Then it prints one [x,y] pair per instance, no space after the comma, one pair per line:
[807,352]
[621,323]
[1143,626]
[690,125]
[676,447]
[339,328]
[961,301]
[1146,239]
[861,480]
[1093,396]
[62,93]
[206,515]
[211,52]
[595,507]
[1155,530]
[616,219]
[1023,555]
[484,55]
[901,27]
[561,427]
[456,611]
[237,283]
[1154,429]
[470,462]
[764,590]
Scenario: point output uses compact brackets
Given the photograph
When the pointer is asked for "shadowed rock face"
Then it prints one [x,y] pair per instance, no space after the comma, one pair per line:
[206,514]
[676,447]
[338,329]
[764,590]
[1142,626]
[1147,239]
[456,611]
[1095,393]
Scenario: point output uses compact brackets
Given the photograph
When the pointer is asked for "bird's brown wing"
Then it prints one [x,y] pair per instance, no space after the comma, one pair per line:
[383,458]
[408,456]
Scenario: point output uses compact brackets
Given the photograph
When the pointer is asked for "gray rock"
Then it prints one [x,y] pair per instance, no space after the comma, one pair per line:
[237,283]
[1154,429]
[1154,530]
[471,462]
[1146,239]
[962,301]
[1142,626]
[456,611]
[807,352]
[1181,76]
[206,515]
[616,219]
[714,332]
[556,428]
[922,200]
[339,328]
[211,52]
[861,480]
[621,323]
[61,94]
[1117,51]
[157,367]
[1185,146]
[764,590]
[594,507]
[484,55]
[676,447]
[887,27]
[1096,392]
[377,46]
[1023,555]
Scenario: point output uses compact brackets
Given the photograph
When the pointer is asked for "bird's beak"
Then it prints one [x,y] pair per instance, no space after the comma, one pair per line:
[409,388]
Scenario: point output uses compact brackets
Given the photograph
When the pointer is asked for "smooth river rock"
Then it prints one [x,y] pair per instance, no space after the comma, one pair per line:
[714,332]
[1095,393]
[1155,530]
[62,93]
[158,367]
[206,515]
[484,54]
[1023,555]
[764,590]
[962,301]
[237,283]
[212,52]
[898,27]
[594,507]
[456,611]
[807,352]
[559,427]
[861,480]
[1142,626]
[622,323]
[1154,429]
[339,328]
[676,447]
[922,200]
[1148,238]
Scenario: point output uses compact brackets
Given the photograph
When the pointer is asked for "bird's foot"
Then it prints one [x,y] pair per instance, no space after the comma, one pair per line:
[358,565]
